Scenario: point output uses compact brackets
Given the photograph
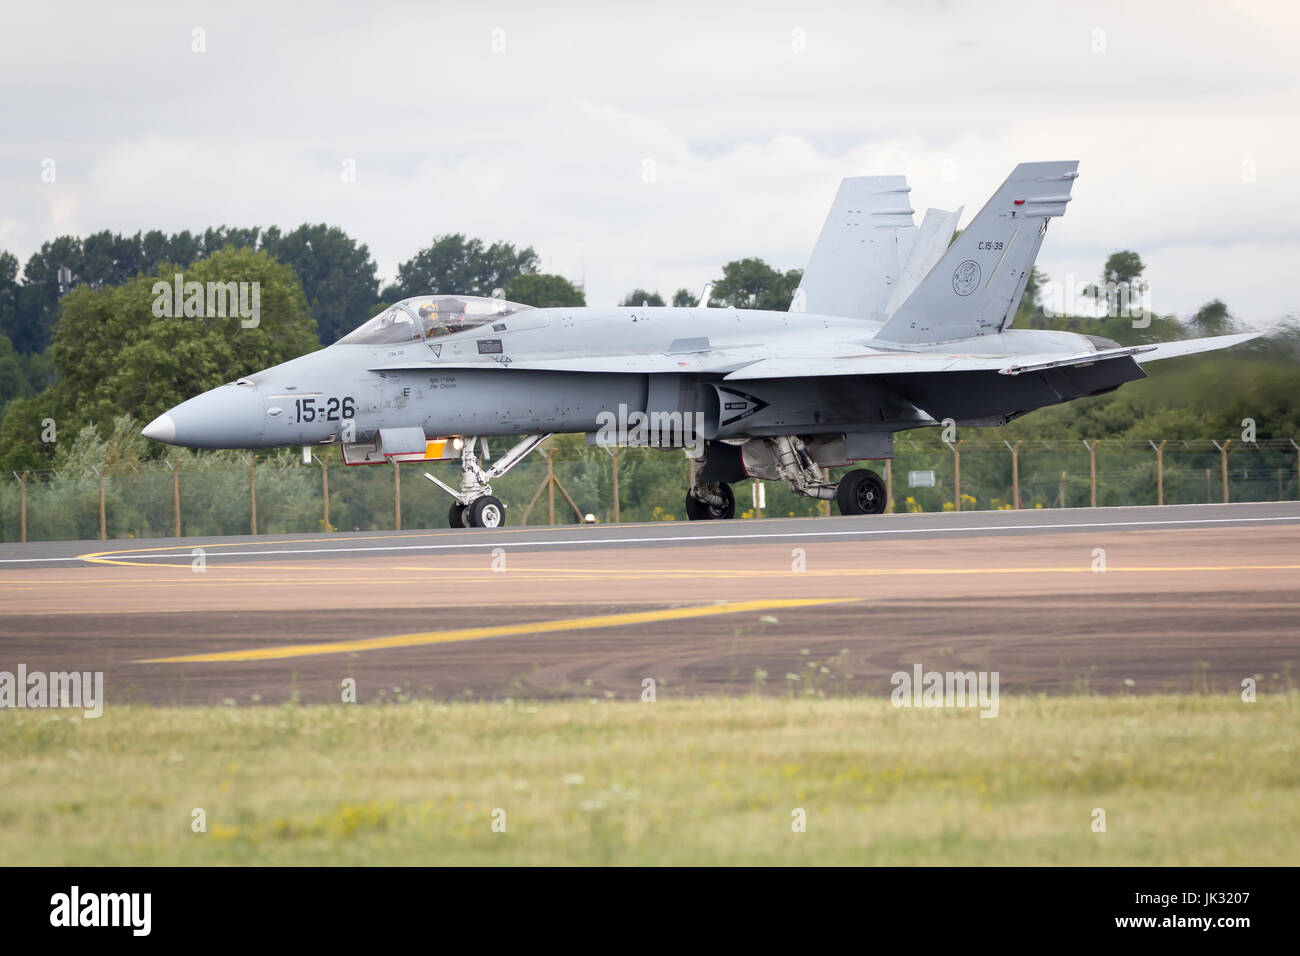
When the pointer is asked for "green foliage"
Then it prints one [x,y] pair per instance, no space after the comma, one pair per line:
[1213,319]
[454,264]
[544,291]
[1123,267]
[642,297]
[21,375]
[338,275]
[684,298]
[753,284]
[112,352]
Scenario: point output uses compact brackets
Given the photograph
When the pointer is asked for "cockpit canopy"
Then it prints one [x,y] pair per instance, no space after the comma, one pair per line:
[430,316]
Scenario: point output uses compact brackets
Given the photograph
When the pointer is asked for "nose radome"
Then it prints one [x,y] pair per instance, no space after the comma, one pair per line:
[229,416]
[162,429]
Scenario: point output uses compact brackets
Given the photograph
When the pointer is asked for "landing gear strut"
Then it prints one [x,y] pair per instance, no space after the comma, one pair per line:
[474,506]
[788,458]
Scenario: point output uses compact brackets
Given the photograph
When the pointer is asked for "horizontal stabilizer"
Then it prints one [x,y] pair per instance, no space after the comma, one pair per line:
[1164,350]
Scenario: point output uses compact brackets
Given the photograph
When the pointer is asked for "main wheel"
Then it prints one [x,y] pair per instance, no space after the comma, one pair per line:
[698,510]
[861,492]
[486,512]
[456,516]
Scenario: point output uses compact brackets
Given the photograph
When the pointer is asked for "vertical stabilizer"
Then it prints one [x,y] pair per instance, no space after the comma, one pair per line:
[976,286]
[931,242]
[861,250]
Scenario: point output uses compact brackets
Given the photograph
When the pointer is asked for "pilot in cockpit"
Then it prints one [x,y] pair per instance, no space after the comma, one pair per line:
[444,317]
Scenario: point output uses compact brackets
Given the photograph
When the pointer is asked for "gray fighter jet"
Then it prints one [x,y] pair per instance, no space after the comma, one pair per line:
[893,327]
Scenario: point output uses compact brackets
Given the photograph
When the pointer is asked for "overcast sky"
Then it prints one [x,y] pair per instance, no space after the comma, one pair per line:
[646,144]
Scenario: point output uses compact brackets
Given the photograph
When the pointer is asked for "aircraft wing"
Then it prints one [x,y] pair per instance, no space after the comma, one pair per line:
[895,363]
[716,360]
[756,362]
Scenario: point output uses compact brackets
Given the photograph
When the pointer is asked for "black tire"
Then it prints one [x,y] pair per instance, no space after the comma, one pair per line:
[861,492]
[697,510]
[486,512]
[456,517]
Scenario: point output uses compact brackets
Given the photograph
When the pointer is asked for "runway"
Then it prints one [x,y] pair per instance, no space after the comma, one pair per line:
[1127,600]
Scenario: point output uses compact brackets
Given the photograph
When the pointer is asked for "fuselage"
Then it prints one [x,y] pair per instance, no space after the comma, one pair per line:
[558,370]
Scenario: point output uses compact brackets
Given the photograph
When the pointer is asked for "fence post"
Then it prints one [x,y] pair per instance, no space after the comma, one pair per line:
[22,506]
[176,497]
[325,490]
[1223,464]
[617,508]
[1092,472]
[1015,473]
[550,486]
[1160,469]
[1297,459]
[956,475]
[252,495]
[103,523]
[889,486]
[397,496]
[1061,497]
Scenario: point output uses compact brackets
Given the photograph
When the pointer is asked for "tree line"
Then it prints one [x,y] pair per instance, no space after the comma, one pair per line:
[80,343]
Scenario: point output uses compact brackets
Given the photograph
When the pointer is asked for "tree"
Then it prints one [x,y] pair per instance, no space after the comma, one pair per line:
[684,298]
[38,300]
[454,264]
[338,275]
[642,297]
[1213,318]
[113,353]
[1034,287]
[9,292]
[753,284]
[544,291]
[1122,280]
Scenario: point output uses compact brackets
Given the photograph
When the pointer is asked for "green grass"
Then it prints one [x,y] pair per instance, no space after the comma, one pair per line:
[1182,779]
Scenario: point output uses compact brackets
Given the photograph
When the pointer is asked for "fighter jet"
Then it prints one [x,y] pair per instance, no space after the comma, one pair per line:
[893,327]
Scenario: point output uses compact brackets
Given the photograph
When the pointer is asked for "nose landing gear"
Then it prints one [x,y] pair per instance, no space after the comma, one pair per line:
[713,500]
[474,505]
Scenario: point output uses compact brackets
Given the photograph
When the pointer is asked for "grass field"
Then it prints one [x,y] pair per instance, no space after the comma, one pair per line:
[1182,780]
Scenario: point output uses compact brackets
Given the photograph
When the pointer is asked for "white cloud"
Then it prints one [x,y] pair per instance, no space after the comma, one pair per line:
[547,143]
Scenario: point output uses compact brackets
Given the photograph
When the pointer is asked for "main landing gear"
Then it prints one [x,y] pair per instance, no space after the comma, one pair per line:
[858,492]
[474,506]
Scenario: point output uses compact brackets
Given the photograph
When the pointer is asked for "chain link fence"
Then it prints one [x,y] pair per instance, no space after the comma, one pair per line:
[566,484]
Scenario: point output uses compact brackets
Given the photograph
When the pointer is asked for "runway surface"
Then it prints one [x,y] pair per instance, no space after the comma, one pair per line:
[1126,600]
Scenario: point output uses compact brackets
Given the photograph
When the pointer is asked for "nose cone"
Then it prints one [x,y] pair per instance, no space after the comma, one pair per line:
[227,417]
[161,429]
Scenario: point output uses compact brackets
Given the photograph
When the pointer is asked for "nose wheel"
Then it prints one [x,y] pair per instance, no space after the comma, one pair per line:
[474,505]
[486,512]
[709,502]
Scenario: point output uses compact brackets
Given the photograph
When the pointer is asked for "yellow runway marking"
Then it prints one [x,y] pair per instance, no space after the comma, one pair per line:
[500,630]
